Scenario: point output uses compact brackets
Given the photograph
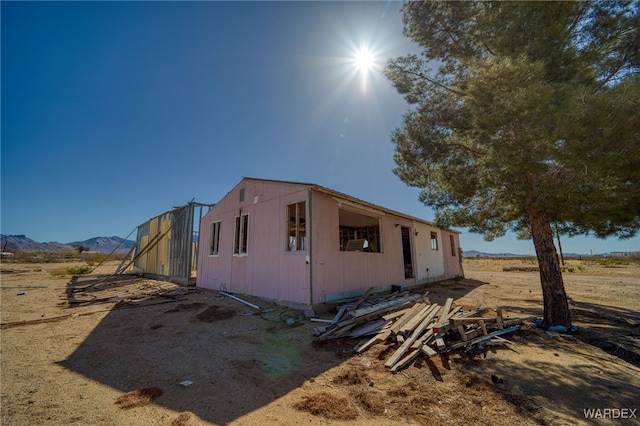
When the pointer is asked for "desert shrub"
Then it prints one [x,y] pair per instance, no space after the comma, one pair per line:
[71,270]
[609,262]
[138,397]
[328,406]
[371,401]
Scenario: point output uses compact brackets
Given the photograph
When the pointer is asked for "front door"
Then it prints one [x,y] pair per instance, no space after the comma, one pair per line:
[406,252]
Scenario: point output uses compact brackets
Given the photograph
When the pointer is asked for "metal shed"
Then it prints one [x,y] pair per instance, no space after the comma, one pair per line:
[167,245]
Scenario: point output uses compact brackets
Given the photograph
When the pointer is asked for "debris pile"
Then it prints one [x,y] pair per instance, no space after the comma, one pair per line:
[416,326]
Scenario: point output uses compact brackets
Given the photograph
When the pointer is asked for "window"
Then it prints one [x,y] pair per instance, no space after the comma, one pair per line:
[296,227]
[359,232]
[214,247]
[241,198]
[434,241]
[242,229]
[453,245]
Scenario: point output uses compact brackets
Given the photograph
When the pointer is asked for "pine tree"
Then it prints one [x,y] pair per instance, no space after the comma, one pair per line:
[524,116]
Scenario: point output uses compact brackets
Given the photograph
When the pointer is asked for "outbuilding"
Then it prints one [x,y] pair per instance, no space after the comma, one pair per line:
[304,244]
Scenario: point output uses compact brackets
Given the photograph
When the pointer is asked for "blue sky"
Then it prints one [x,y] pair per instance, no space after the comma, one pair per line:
[114,112]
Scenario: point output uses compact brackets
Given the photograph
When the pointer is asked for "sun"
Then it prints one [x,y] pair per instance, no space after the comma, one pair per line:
[363,59]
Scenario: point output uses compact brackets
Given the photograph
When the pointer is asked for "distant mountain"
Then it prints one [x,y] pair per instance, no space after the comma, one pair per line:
[15,243]
[105,244]
[474,253]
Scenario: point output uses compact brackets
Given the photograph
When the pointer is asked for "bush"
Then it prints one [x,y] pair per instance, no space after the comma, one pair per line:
[71,270]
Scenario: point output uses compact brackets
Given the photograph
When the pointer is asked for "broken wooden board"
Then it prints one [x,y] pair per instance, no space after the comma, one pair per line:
[414,336]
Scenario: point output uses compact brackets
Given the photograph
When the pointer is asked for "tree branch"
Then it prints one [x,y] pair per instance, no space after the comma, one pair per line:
[613,73]
[432,81]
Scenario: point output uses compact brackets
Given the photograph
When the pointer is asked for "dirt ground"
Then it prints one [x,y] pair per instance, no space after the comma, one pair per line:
[133,351]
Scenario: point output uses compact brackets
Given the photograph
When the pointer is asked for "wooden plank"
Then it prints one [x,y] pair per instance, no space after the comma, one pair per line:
[339,315]
[385,305]
[395,328]
[415,350]
[355,321]
[511,322]
[447,307]
[369,328]
[382,336]
[406,360]
[342,330]
[483,327]
[416,320]
[474,333]
[499,321]
[463,334]
[471,320]
[414,336]
[483,338]
[362,299]
[396,314]
[440,343]
[428,351]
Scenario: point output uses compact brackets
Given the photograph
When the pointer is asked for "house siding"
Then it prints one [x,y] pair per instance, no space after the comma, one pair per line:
[429,262]
[322,273]
[338,274]
[267,270]
[451,258]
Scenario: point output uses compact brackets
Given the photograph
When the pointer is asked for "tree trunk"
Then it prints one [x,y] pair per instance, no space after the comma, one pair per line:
[556,307]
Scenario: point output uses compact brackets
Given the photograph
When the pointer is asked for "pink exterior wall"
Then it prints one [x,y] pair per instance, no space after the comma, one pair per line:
[337,274]
[322,272]
[267,270]
[451,258]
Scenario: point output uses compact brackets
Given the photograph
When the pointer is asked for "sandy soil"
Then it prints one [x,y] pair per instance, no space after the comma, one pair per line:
[96,351]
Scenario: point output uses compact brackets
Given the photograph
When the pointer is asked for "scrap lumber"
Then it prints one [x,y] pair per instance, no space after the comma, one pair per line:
[384,305]
[362,299]
[414,336]
[472,320]
[417,319]
[406,317]
[368,328]
[416,327]
[446,308]
[396,314]
[483,338]
[380,337]
[333,330]
[415,350]
[339,314]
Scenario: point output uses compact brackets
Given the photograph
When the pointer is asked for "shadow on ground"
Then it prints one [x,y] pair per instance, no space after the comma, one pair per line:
[614,330]
[568,387]
[236,360]
[440,291]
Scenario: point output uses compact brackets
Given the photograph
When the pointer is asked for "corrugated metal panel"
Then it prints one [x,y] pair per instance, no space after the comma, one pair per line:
[165,244]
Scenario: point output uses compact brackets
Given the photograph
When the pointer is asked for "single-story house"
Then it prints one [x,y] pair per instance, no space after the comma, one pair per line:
[304,244]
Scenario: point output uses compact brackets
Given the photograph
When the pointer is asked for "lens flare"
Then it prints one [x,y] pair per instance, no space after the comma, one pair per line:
[363,59]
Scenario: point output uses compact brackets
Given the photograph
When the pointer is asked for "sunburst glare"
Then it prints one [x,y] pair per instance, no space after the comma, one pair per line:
[363,59]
